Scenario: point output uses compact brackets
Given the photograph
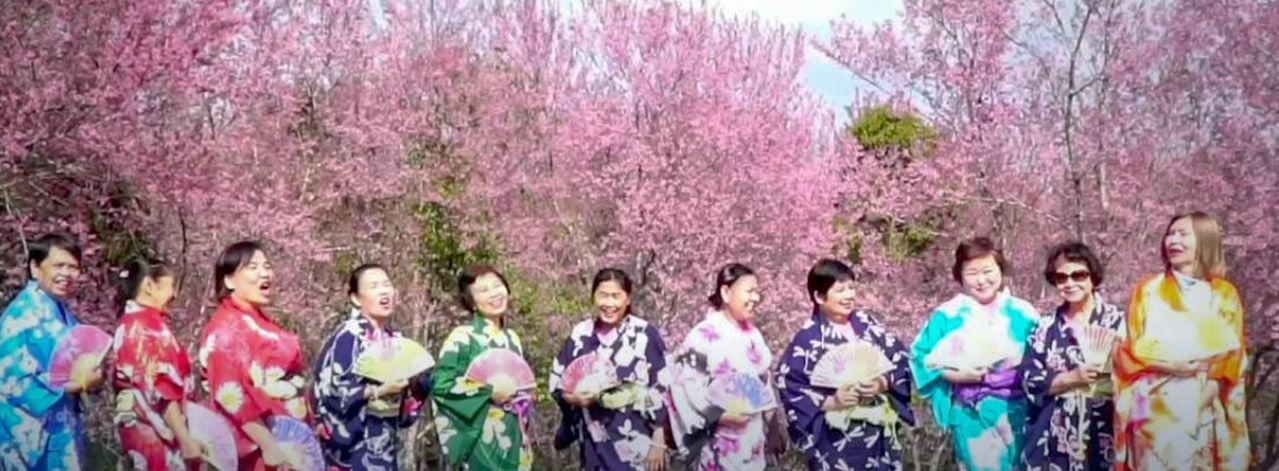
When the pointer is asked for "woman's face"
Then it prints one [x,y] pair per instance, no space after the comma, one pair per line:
[251,283]
[375,295]
[611,302]
[490,295]
[982,278]
[741,298]
[1181,245]
[1073,281]
[838,300]
[158,291]
[57,273]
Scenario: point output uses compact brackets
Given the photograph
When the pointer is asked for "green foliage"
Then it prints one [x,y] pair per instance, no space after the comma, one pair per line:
[881,127]
[445,248]
[907,240]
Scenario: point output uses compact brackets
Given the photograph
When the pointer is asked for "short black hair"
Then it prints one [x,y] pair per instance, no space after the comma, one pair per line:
[353,281]
[825,274]
[40,248]
[613,274]
[233,258]
[1076,252]
[973,249]
[727,276]
[467,278]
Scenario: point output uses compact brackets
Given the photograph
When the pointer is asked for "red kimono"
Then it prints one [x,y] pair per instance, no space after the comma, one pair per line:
[150,372]
[252,370]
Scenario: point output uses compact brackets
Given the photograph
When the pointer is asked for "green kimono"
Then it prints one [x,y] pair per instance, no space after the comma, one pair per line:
[475,432]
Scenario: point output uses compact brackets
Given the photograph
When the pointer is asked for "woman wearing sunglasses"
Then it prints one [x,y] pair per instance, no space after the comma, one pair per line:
[1068,425]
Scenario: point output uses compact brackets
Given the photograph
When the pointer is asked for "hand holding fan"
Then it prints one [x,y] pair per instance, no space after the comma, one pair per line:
[1211,336]
[78,353]
[851,363]
[393,360]
[589,374]
[502,369]
[215,435]
[970,349]
[298,442]
[1095,343]
[741,394]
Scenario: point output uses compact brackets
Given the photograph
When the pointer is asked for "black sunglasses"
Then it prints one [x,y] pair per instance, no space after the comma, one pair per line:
[1059,278]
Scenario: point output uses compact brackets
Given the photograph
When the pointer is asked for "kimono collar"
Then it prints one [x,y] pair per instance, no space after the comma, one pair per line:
[133,308]
[481,323]
[1185,281]
[39,295]
[1094,316]
[367,324]
[251,311]
[723,317]
[599,326]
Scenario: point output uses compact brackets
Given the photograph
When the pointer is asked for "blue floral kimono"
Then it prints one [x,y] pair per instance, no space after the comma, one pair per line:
[616,431]
[358,433]
[862,438]
[1069,431]
[985,420]
[40,425]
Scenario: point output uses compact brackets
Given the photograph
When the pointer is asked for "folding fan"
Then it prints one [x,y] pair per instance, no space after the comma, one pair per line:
[589,374]
[298,441]
[503,369]
[851,363]
[1095,343]
[215,433]
[394,359]
[970,348]
[741,393]
[78,353]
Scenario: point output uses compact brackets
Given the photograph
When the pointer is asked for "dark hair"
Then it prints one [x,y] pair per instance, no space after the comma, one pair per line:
[129,279]
[233,258]
[613,274]
[467,278]
[975,248]
[353,281]
[1076,252]
[727,276]
[825,274]
[39,249]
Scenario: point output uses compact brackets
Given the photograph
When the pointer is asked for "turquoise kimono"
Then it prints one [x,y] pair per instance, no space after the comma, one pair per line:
[40,425]
[985,420]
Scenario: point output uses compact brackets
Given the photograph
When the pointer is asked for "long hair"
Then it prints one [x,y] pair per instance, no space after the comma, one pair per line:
[1210,256]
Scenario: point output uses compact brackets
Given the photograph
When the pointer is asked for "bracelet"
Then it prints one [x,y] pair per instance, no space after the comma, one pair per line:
[658,446]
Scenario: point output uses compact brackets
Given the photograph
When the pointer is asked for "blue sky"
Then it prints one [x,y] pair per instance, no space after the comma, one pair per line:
[833,85]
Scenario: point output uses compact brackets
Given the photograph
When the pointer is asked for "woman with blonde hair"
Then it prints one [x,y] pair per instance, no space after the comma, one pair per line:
[1180,398]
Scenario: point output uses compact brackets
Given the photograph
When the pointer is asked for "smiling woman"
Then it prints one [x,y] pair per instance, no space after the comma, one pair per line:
[253,368]
[965,360]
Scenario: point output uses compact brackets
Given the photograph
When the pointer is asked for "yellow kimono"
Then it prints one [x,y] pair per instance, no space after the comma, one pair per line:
[1166,422]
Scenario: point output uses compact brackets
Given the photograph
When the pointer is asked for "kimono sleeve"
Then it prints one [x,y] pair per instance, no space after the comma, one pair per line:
[693,417]
[570,415]
[419,392]
[1036,377]
[35,396]
[338,390]
[800,399]
[655,355]
[460,403]
[1127,364]
[1233,442]
[899,379]
[227,372]
[929,380]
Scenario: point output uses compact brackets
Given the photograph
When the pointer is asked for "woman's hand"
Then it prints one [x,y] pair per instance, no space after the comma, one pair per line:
[656,457]
[580,400]
[387,389]
[872,388]
[1084,375]
[966,376]
[1183,369]
[191,449]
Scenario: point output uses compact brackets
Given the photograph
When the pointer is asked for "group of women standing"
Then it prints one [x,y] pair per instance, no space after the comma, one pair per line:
[1039,406]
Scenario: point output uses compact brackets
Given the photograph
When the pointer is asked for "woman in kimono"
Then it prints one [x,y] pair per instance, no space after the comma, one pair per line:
[1183,411]
[624,428]
[151,374]
[481,427]
[966,357]
[1069,425]
[252,367]
[359,418]
[724,343]
[854,427]
[40,424]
